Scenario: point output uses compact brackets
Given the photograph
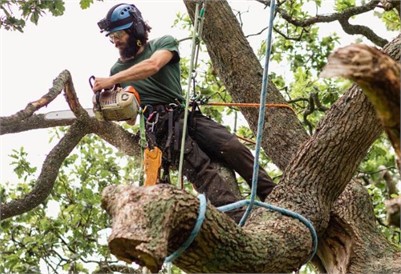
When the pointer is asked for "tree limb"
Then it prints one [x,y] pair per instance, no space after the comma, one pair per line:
[44,183]
[150,223]
[36,121]
[352,232]
[363,30]
[379,77]
[342,17]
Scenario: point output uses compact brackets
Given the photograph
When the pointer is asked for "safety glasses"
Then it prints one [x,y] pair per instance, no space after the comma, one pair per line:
[116,35]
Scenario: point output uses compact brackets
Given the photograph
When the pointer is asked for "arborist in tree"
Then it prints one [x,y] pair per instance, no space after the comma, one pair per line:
[152,68]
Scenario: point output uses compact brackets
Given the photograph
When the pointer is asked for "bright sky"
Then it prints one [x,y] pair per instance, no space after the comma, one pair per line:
[30,61]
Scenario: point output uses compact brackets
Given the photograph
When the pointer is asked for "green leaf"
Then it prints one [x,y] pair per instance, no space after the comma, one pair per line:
[85,3]
[341,5]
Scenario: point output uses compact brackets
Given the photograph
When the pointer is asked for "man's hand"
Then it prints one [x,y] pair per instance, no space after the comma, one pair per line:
[102,83]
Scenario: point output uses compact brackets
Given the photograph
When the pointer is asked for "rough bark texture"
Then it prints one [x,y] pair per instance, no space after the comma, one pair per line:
[151,223]
[352,242]
[318,173]
[379,77]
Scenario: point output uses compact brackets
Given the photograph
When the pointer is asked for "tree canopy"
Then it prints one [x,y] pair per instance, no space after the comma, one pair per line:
[331,155]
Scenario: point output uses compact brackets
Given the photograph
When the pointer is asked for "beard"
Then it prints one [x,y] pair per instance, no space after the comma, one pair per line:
[130,49]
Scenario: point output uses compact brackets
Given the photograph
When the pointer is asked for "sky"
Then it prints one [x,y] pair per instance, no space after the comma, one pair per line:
[31,60]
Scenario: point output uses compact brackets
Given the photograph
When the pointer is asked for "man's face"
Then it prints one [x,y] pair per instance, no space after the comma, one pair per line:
[120,40]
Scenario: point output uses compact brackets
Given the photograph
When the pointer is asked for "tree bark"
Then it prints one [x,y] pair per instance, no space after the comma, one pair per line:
[352,242]
[150,223]
[379,77]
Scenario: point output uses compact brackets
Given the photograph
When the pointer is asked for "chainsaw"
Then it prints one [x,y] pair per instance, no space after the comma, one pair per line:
[115,104]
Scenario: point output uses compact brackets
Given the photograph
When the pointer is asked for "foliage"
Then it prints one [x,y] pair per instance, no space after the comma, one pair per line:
[16,12]
[68,230]
[372,171]
[390,19]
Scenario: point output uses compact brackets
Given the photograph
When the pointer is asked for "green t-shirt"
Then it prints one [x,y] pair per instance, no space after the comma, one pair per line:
[164,87]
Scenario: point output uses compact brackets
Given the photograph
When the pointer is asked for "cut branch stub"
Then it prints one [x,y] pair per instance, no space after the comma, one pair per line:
[150,223]
[379,77]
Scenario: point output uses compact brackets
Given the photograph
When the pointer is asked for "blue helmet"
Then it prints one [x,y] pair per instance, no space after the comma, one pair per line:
[123,16]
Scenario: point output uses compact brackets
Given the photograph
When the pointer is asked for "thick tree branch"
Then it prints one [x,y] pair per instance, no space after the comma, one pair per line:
[379,77]
[115,135]
[36,121]
[351,233]
[150,223]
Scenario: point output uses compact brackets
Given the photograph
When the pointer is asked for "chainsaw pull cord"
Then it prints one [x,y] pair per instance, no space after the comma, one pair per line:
[198,22]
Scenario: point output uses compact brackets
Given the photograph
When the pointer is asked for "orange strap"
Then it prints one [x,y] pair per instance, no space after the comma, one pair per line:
[249,105]
[152,162]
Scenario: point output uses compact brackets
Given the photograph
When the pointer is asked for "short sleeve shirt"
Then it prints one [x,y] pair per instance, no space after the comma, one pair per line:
[164,87]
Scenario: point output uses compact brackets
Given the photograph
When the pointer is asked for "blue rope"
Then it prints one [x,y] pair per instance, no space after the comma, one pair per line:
[251,201]
[262,110]
[194,232]
[283,211]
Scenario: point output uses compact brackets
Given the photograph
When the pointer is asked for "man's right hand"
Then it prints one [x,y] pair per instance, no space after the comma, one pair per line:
[102,83]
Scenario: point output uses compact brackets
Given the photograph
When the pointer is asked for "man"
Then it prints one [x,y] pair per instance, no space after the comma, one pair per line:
[152,68]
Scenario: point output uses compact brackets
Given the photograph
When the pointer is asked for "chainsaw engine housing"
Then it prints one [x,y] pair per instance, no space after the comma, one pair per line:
[116,105]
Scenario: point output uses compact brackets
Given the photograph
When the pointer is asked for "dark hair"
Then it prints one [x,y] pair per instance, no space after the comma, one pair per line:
[144,39]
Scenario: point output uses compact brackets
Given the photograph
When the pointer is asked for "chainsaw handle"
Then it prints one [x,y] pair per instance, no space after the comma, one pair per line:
[97,93]
[93,78]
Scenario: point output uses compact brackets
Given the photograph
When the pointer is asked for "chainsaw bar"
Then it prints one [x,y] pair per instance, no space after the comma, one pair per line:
[65,114]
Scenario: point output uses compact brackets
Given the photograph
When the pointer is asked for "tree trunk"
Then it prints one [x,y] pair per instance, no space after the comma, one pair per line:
[313,180]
